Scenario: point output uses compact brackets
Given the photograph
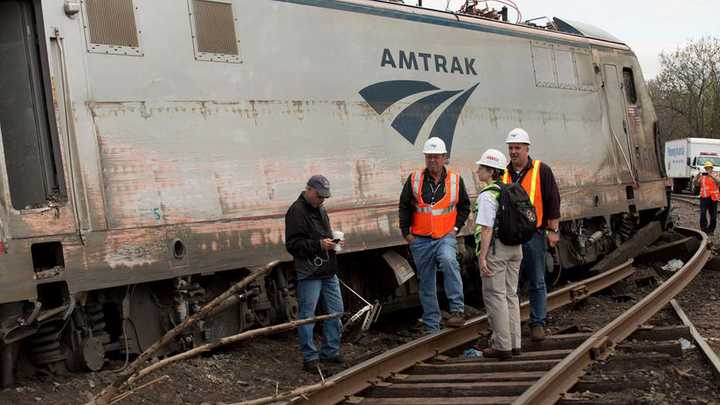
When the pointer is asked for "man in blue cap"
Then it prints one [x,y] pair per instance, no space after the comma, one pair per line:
[308,238]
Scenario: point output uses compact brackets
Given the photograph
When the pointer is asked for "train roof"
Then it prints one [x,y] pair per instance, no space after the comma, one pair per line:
[585,30]
[566,31]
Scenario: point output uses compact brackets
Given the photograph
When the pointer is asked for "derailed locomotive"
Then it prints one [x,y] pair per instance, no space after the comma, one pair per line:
[151,148]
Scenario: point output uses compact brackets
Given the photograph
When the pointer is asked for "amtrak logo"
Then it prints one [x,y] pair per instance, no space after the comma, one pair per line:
[381,96]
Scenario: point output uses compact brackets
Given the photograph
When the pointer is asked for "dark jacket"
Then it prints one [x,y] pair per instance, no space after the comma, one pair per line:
[548,188]
[408,203]
[305,226]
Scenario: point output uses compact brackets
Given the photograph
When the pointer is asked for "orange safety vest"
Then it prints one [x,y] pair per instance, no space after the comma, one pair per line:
[435,220]
[708,188]
[531,184]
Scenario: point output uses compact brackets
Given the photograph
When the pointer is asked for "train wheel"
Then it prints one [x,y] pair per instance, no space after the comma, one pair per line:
[93,354]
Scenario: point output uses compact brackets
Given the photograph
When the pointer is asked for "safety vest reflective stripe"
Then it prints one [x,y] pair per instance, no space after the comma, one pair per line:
[453,189]
[435,212]
[533,184]
[443,211]
[416,182]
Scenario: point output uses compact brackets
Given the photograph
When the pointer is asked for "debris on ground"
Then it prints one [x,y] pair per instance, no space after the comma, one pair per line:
[673,265]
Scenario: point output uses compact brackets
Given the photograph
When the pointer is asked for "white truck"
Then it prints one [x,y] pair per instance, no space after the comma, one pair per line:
[684,159]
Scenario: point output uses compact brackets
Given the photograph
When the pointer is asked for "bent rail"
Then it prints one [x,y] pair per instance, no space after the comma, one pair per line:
[361,376]
[706,350]
[564,375]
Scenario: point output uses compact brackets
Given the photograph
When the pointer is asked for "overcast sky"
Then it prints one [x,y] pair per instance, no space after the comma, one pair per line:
[648,26]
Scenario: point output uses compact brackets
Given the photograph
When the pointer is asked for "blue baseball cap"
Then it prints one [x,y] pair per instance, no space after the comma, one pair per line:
[321,184]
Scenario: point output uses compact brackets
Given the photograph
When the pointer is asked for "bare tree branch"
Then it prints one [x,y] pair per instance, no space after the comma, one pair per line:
[109,392]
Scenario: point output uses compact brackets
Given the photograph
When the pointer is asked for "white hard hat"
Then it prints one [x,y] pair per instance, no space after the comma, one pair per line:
[518,135]
[493,158]
[434,146]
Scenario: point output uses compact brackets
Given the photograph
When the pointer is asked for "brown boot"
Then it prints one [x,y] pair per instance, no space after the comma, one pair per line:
[537,333]
[456,320]
[493,353]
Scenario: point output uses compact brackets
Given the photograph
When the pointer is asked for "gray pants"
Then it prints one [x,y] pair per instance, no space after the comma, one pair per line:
[500,295]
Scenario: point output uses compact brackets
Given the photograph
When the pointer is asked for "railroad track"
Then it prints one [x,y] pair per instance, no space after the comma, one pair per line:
[418,372]
[686,198]
[665,343]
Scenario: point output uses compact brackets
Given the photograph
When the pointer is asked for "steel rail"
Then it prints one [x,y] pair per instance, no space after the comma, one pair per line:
[707,351]
[686,199]
[549,388]
[355,379]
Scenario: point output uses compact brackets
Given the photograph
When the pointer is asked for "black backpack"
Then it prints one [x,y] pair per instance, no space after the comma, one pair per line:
[516,218]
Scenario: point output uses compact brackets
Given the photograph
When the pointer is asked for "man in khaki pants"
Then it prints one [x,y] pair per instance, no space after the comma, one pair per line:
[499,264]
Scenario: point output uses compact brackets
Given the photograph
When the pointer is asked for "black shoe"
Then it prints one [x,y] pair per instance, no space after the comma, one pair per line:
[311,366]
[333,360]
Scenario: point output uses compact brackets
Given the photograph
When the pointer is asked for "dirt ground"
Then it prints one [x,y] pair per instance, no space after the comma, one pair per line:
[261,367]
[651,378]
[252,369]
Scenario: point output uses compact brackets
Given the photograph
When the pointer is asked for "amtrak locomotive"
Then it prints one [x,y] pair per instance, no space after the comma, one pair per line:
[151,148]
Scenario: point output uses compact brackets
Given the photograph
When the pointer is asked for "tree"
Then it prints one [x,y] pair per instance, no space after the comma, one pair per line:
[686,92]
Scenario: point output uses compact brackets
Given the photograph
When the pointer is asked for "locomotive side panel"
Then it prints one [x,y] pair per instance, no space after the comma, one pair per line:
[287,103]
[211,153]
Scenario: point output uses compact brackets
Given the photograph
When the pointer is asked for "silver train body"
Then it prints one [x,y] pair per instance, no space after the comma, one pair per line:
[151,148]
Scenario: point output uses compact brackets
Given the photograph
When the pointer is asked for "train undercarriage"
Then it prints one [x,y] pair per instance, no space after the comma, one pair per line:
[81,332]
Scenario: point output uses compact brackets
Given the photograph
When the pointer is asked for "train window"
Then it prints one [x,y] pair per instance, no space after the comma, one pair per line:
[111,27]
[214,34]
[567,78]
[562,67]
[586,74]
[544,66]
[630,92]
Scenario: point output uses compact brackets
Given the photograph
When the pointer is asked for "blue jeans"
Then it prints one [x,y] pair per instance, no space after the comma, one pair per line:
[708,207]
[430,256]
[327,292]
[532,269]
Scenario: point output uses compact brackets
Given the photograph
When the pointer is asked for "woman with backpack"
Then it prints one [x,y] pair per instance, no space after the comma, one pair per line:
[499,262]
